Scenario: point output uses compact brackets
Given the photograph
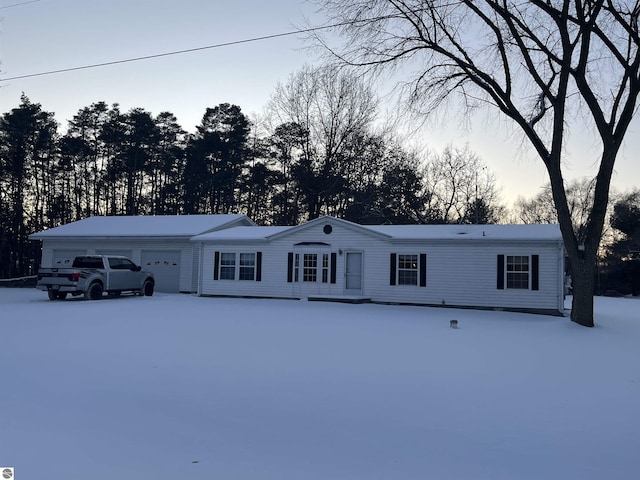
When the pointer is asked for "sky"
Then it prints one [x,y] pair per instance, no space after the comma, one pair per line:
[44,35]
[177,386]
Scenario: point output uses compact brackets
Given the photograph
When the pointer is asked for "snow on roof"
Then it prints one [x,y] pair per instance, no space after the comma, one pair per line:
[142,226]
[461,232]
[242,233]
[399,232]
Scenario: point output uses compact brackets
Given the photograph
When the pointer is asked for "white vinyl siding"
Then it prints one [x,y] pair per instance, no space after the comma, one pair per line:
[461,273]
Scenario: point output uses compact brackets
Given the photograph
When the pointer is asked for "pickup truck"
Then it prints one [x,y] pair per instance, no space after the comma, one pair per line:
[91,275]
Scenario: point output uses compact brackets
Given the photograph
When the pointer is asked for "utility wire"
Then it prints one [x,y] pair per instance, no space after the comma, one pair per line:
[179,52]
[18,4]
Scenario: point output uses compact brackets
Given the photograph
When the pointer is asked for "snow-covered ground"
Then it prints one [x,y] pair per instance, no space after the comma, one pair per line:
[177,386]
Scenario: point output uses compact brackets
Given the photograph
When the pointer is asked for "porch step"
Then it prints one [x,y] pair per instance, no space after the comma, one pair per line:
[338,298]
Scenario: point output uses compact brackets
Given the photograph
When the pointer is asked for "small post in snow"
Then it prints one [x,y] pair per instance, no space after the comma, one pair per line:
[453,323]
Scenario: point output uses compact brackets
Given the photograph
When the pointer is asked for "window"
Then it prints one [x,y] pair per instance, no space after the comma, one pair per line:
[227,266]
[127,264]
[247,266]
[518,271]
[407,269]
[88,262]
[310,267]
[325,267]
[237,266]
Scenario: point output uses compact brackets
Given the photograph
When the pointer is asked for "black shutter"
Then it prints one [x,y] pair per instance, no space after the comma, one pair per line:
[216,265]
[535,272]
[500,272]
[289,267]
[392,269]
[333,267]
[423,269]
[258,266]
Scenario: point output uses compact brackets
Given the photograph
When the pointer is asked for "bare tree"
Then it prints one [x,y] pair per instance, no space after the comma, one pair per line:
[332,108]
[541,63]
[459,182]
[541,209]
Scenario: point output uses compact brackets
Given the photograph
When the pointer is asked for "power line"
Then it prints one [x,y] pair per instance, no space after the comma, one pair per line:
[18,4]
[177,52]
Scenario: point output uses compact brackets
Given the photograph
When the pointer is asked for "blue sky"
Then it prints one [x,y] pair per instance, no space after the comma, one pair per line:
[45,35]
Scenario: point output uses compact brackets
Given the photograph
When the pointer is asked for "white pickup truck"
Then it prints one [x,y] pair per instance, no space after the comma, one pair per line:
[91,275]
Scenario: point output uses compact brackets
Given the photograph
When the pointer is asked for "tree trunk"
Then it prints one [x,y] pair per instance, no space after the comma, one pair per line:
[583,272]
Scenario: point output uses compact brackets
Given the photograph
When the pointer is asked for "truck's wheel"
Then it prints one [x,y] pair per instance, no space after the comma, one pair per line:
[94,292]
[147,288]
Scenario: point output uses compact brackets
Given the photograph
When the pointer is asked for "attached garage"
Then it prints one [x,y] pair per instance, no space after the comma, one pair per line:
[159,244]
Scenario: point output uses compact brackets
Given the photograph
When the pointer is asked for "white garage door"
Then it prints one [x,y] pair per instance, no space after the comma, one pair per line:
[165,266]
[64,258]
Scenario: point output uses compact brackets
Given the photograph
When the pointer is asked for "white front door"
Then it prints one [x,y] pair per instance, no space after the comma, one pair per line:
[311,272]
[353,273]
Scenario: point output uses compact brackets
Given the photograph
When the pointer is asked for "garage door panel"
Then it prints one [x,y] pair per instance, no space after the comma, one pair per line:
[64,257]
[165,266]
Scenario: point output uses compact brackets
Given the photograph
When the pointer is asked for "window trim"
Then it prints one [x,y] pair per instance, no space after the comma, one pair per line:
[533,272]
[219,264]
[408,269]
[227,267]
[395,267]
[517,268]
[322,270]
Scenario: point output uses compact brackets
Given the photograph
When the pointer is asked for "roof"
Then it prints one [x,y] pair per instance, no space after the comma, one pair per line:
[529,232]
[143,226]
[394,233]
[327,220]
[243,233]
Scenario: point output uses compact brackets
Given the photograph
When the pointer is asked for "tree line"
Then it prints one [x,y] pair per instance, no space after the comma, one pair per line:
[319,152]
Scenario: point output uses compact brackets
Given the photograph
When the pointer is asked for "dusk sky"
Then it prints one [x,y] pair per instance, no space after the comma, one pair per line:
[44,35]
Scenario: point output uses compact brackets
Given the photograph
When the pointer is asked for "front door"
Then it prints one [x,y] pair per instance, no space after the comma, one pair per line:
[353,273]
[311,272]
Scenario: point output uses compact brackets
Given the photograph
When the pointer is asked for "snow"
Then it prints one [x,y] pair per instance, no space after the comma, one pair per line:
[241,233]
[531,232]
[464,232]
[142,225]
[178,386]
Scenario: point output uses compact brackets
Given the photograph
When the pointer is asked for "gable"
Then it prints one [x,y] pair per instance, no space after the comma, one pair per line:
[324,226]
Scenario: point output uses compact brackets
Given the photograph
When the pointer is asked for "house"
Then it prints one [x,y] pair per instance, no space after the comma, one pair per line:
[511,267]
[160,244]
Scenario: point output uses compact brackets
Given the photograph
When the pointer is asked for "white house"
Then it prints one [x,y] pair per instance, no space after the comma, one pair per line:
[160,244]
[511,267]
